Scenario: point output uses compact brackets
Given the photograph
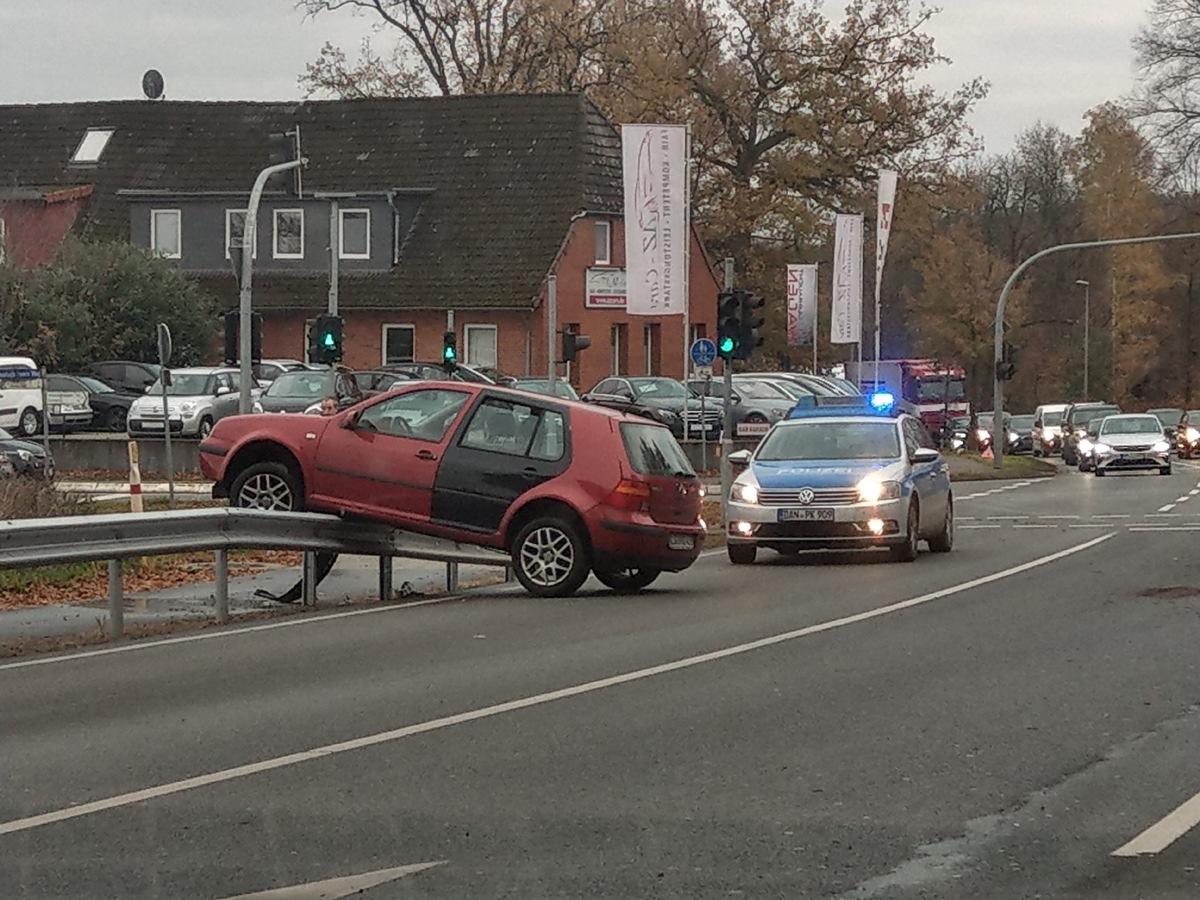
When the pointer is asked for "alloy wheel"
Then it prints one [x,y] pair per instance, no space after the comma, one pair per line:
[547,556]
[266,491]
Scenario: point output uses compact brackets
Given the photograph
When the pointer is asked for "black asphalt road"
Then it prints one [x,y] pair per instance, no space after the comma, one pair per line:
[1032,709]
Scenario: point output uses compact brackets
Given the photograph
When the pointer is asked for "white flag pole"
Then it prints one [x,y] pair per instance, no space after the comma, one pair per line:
[687,251]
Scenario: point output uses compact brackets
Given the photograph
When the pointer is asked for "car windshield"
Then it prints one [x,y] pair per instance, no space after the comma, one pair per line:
[653,450]
[1021,423]
[1087,413]
[301,386]
[792,389]
[95,385]
[1168,416]
[831,440]
[757,390]
[659,388]
[1052,417]
[184,384]
[929,389]
[1131,425]
[1093,425]
[542,386]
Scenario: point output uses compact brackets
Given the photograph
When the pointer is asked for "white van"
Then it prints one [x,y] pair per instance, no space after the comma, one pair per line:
[20,395]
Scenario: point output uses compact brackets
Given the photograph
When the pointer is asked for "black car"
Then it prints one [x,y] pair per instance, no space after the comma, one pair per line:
[110,407]
[297,392]
[661,399]
[1074,426]
[1022,427]
[1187,436]
[376,381]
[26,457]
[125,375]
[437,372]
[1170,418]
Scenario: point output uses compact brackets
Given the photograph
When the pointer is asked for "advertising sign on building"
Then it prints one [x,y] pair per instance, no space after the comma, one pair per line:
[604,289]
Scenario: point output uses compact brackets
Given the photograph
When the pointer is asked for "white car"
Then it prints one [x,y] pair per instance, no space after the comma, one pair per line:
[20,395]
[1047,428]
[1131,442]
[197,399]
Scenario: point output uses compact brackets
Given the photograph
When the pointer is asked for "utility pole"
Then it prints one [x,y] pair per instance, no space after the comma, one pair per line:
[551,330]
[1087,323]
[334,251]
[727,427]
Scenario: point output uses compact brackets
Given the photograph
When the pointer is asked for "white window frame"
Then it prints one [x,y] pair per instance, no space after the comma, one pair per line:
[467,329]
[606,227]
[342,254]
[648,348]
[154,214]
[383,341]
[96,141]
[275,214]
[229,233]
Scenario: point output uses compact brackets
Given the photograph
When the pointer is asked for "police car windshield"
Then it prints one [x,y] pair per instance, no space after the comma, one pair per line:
[831,440]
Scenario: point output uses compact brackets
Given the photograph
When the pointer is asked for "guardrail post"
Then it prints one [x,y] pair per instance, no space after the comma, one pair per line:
[508,574]
[452,577]
[385,578]
[116,601]
[309,578]
[222,576]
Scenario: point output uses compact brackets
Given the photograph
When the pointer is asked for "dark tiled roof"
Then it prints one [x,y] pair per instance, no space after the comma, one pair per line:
[507,174]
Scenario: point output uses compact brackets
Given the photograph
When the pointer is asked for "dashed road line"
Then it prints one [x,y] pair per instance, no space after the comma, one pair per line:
[1165,831]
[1165,509]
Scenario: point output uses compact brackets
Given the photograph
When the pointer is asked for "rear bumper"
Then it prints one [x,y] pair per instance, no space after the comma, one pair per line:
[636,544]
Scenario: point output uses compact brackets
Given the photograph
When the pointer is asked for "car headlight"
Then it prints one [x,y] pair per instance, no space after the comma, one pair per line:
[665,415]
[24,455]
[1080,432]
[187,407]
[982,434]
[1086,446]
[742,492]
[1192,435]
[257,407]
[1013,437]
[872,490]
[1102,449]
[1160,447]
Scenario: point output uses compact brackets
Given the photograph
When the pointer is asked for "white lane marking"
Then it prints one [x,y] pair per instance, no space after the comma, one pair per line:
[1165,831]
[1060,517]
[1166,509]
[1007,518]
[1034,526]
[1112,516]
[334,888]
[1182,499]
[974,527]
[1151,528]
[209,635]
[1193,492]
[1089,525]
[1163,515]
[965,518]
[186,784]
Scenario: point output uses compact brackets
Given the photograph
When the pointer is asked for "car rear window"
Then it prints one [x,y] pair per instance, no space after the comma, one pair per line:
[653,450]
[1052,418]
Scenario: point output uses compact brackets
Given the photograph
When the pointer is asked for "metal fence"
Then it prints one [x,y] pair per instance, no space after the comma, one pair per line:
[38,542]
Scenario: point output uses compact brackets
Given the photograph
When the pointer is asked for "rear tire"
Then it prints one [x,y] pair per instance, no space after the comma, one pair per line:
[741,554]
[30,423]
[943,542]
[550,557]
[626,581]
[269,486]
[1164,470]
[907,552]
[1099,473]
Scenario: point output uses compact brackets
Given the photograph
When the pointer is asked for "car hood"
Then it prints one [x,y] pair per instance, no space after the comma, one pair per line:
[15,445]
[287,404]
[154,401]
[1131,440]
[822,473]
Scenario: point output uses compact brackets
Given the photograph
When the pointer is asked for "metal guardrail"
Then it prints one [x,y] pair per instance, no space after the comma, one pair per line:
[120,536]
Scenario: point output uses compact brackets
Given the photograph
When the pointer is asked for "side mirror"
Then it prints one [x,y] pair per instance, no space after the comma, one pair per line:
[735,397]
[739,459]
[925,455]
[1037,423]
[223,390]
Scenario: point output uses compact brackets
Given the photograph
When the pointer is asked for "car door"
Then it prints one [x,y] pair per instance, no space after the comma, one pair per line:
[930,480]
[505,448]
[383,461]
[226,386]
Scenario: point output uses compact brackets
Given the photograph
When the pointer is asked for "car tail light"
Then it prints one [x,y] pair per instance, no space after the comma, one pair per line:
[630,494]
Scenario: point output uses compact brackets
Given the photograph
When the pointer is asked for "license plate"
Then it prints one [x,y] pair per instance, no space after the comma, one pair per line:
[806,515]
[680,542]
[153,425]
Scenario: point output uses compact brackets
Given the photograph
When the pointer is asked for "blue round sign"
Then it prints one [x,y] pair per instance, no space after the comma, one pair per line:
[704,352]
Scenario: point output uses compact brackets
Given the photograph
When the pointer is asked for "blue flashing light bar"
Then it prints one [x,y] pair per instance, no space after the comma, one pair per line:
[882,400]
[881,403]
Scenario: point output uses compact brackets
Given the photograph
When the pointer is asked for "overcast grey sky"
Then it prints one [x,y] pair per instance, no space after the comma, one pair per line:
[1047,60]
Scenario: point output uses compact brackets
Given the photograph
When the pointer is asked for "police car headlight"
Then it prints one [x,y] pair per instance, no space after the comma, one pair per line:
[744,493]
[872,490]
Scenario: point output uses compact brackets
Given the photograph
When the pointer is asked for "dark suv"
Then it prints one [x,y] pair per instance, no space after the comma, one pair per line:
[563,487]
[125,375]
[298,392]
[661,399]
[1074,426]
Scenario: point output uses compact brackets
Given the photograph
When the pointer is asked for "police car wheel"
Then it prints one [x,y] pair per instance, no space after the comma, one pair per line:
[907,551]
[741,554]
[943,542]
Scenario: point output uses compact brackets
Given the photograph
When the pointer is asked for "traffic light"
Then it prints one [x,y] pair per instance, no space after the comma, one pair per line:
[325,340]
[751,321]
[1007,367]
[572,343]
[231,337]
[729,323]
[450,351]
[285,147]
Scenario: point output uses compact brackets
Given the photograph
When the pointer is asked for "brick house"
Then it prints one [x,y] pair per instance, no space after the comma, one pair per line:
[444,213]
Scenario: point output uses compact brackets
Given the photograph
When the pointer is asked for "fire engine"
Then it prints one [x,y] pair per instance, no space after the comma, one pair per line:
[922,387]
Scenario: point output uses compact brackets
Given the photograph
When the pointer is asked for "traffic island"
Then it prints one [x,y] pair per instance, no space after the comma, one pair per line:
[971,467]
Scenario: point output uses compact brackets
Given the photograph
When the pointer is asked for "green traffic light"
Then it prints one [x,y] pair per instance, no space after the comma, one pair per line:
[329,342]
[726,345]
[449,354]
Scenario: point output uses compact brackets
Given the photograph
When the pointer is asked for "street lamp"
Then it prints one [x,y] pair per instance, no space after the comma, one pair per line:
[1087,321]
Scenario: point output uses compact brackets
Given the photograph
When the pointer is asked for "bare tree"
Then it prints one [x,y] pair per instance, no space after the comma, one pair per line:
[1168,98]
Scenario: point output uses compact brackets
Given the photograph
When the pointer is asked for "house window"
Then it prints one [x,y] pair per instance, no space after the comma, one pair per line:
[355,234]
[235,225]
[620,349]
[399,344]
[653,350]
[603,243]
[289,234]
[481,345]
[91,146]
[165,233]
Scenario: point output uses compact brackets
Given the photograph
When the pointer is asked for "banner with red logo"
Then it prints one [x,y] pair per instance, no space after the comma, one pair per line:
[846,321]
[801,304]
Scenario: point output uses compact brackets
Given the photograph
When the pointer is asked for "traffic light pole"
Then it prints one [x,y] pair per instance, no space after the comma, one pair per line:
[727,428]
[249,233]
[551,330]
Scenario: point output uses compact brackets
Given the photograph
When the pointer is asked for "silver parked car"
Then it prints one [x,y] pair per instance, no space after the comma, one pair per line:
[1131,442]
[197,399]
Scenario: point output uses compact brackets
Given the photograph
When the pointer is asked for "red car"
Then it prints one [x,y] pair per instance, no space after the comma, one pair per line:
[563,487]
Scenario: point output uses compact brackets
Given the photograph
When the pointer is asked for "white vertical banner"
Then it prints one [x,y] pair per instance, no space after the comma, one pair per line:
[883,230]
[845,325]
[654,166]
[801,304]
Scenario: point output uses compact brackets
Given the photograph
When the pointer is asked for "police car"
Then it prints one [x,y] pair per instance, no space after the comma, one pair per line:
[843,477]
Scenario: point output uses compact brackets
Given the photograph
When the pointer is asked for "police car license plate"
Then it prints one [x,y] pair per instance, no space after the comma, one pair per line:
[806,515]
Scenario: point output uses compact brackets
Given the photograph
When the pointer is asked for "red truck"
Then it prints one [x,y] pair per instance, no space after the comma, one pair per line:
[922,387]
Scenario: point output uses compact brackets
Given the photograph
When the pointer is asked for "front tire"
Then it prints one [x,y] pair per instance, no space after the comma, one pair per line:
[626,581]
[30,423]
[114,419]
[550,557]
[741,554]
[943,542]
[205,429]
[270,486]
[1099,473]
[1164,470]
[907,551]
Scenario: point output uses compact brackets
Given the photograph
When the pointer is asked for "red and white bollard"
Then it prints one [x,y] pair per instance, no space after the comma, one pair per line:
[135,479]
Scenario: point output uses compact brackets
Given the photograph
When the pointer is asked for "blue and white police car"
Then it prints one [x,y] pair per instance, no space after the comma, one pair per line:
[844,478]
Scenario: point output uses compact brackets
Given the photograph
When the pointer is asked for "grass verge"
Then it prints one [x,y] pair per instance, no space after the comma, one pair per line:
[970,467]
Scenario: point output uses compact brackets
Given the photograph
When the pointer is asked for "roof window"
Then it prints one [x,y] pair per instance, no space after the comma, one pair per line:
[92,146]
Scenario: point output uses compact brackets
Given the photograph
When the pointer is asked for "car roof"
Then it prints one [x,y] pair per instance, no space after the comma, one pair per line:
[1144,415]
[518,395]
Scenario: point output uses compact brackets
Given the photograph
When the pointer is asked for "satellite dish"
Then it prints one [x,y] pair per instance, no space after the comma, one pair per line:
[152,84]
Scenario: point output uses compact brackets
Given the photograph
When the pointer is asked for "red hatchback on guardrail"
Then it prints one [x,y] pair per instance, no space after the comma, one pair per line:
[563,487]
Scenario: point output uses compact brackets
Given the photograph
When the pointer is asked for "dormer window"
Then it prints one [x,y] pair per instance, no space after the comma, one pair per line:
[92,146]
